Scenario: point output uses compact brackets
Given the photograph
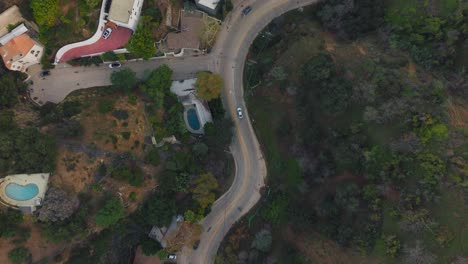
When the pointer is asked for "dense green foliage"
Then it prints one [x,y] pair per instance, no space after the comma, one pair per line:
[157,85]
[209,85]
[111,213]
[19,255]
[430,39]
[8,92]
[124,80]
[26,151]
[141,43]
[130,173]
[45,12]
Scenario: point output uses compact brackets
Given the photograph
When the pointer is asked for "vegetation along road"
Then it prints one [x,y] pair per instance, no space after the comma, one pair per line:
[230,52]
[227,58]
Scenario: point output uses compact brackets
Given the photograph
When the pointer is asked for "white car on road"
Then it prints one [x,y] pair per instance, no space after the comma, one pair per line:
[239,113]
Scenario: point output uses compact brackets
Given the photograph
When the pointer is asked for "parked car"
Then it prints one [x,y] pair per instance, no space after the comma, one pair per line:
[115,65]
[45,73]
[107,33]
[239,113]
[195,246]
[246,11]
[172,256]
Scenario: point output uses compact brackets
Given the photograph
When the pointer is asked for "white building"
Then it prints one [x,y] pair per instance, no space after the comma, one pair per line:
[209,6]
[18,50]
[125,13]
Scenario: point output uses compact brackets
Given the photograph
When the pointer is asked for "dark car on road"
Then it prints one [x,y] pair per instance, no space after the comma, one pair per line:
[195,246]
[246,11]
[45,73]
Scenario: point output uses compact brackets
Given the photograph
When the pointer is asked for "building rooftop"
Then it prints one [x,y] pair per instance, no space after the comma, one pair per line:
[16,48]
[212,4]
[11,16]
[121,10]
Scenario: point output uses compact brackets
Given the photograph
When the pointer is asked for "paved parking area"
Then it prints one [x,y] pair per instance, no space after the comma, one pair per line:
[119,38]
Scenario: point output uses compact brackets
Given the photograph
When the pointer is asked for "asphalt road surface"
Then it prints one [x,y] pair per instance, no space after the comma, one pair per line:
[227,58]
[230,53]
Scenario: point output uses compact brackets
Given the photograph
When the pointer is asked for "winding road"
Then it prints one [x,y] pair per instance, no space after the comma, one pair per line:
[227,58]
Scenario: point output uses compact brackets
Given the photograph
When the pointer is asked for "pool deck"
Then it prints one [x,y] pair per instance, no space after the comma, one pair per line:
[39,179]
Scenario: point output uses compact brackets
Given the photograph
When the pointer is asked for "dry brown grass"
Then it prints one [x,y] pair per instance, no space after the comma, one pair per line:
[458,112]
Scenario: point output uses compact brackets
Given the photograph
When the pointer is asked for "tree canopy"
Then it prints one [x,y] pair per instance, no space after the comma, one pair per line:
[26,151]
[141,43]
[124,80]
[111,213]
[158,84]
[45,12]
[204,187]
[209,85]
[8,92]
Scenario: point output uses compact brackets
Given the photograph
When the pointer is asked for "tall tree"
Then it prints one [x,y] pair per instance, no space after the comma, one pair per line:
[209,85]
[203,192]
[45,12]
[158,84]
[111,213]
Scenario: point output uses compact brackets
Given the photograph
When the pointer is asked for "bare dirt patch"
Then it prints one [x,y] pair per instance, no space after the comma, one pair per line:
[458,113]
[74,170]
[106,132]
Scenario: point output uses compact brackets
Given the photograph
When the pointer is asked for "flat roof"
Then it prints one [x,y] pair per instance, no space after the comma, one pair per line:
[121,10]
[11,16]
[212,4]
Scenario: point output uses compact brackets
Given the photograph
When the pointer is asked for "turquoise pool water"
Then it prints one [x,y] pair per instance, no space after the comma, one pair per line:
[192,119]
[21,192]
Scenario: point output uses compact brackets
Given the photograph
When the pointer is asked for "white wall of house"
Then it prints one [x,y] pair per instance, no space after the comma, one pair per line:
[33,57]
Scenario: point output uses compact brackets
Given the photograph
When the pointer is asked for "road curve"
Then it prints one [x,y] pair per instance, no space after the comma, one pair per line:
[230,53]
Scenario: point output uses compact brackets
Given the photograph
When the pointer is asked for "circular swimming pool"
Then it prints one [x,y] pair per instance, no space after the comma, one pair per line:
[192,119]
[21,192]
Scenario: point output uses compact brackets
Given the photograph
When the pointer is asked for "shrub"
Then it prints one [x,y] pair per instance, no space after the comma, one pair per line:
[110,214]
[120,114]
[109,56]
[125,135]
[152,157]
[150,247]
[19,255]
[105,106]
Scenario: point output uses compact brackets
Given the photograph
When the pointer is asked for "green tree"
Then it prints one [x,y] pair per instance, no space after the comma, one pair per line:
[200,149]
[209,85]
[152,157]
[8,92]
[190,216]
[150,247]
[160,208]
[109,56]
[19,255]
[142,43]
[7,121]
[45,12]
[111,213]
[204,187]
[318,69]
[124,80]
[158,84]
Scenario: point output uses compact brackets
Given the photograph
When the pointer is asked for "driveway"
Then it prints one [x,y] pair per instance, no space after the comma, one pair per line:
[65,79]
[119,38]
